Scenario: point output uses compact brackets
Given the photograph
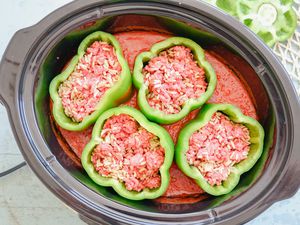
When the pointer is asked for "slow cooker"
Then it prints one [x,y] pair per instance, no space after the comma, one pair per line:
[37,53]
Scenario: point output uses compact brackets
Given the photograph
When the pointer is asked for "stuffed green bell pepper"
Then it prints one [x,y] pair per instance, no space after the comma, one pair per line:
[96,79]
[172,79]
[217,147]
[129,153]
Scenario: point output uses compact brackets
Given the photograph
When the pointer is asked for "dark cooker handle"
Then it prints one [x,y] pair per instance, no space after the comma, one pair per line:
[289,184]
[12,63]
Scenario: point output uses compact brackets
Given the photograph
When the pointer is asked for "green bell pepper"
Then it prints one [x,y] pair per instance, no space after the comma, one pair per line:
[138,80]
[256,147]
[118,186]
[49,65]
[272,20]
[250,177]
[113,97]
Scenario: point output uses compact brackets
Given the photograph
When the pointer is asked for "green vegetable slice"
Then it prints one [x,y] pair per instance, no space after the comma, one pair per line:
[272,20]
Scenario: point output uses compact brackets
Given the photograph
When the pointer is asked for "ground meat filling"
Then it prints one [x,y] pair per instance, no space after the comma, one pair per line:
[129,153]
[95,73]
[172,78]
[216,147]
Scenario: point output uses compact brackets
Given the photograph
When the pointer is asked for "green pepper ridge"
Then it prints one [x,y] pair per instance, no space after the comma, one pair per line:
[117,94]
[256,147]
[138,80]
[119,187]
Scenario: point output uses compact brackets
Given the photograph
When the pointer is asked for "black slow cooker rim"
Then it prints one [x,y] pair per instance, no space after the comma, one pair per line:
[45,165]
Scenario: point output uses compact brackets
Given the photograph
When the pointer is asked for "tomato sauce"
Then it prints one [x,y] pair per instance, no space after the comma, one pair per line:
[229,89]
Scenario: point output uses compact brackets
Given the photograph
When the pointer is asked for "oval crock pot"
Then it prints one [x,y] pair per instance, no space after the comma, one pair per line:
[23,91]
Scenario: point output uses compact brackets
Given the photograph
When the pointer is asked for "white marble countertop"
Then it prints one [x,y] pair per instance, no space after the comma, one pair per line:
[23,198]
